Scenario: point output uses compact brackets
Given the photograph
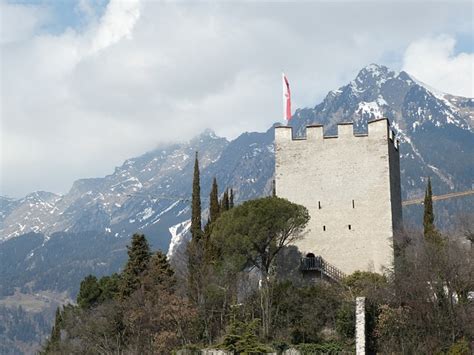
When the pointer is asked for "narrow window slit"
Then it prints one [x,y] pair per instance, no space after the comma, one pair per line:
[349,227]
[353,204]
[324,228]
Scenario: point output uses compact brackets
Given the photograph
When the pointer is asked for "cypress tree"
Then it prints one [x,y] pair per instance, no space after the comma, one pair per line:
[138,258]
[428,215]
[231,199]
[225,201]
[52,344]
[196,203]
[195,249]
[56,331]
[214,202]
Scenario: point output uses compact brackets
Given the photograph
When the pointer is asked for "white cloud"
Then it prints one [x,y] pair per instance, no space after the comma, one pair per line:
[75,104]
[117,23]
[432,60]
[19,22]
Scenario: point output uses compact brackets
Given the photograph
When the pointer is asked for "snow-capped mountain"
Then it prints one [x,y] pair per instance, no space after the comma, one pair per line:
[150,193]
[435,129]
[141,193]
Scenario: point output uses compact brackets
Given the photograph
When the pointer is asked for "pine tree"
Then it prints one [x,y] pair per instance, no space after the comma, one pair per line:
[138,258]
[428,215]
[159,272]
[214,202]
[89,292]
[109,287]
[231,199]
[196,230]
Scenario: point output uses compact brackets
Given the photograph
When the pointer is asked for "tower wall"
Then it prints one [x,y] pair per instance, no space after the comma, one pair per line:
[350,185]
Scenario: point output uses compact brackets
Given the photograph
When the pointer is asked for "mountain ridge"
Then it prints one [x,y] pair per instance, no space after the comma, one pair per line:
[145,191]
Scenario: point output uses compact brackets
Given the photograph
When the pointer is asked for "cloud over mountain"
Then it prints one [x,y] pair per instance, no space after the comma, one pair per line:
[79,100]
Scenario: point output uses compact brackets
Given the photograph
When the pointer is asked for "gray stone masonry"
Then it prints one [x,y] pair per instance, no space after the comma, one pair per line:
[350,185]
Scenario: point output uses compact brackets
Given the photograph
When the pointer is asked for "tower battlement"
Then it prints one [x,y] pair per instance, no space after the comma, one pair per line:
[350,184]
[378,128]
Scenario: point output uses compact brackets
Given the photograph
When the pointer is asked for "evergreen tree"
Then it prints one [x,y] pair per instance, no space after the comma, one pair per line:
[138,257]
[225,201]
[214,202]
[254,233]
[207,229]
[196,231]
[195,248]
[109,287]
[159,272]
[89,292]
[56,331]
[241,338]
[274,192]
[428,215]
[231,199]
[52,344]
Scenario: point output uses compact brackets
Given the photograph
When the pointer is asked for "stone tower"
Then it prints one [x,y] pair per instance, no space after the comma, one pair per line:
[350,185]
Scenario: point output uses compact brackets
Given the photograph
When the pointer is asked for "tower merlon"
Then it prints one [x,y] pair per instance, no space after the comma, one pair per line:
[378,127]
[315,132]
[345,129]
[283,133]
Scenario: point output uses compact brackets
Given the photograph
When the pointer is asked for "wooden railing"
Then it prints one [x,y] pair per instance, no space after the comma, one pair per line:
[317,263]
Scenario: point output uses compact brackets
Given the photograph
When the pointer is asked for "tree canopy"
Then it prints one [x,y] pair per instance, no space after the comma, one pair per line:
[258,229]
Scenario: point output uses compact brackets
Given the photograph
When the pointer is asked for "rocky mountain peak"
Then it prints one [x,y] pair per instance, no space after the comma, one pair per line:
[375,71]
[372,77]
[206,136]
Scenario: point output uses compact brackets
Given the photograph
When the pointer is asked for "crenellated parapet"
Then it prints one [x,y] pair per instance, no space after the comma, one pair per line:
[377,129]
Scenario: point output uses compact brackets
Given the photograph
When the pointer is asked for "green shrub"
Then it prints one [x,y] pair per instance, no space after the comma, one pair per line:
[345,320]
[242,338]
[280,346]
[461,347]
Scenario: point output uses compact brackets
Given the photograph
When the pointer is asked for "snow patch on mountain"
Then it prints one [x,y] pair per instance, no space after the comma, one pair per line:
[178,236]
[370,108]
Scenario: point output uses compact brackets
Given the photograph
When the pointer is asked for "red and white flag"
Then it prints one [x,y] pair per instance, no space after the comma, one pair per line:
[286,98]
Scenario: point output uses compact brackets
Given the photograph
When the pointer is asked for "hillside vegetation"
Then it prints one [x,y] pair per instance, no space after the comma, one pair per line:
[240,289]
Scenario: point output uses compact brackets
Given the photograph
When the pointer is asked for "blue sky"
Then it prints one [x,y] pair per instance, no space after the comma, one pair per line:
[464,42]
[64,13]
[81,80]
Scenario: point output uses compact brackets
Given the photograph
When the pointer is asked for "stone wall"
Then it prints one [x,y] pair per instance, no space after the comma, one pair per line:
[360,326]
[350,185]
